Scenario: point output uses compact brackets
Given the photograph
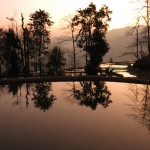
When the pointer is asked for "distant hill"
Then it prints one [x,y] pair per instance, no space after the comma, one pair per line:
[118,42]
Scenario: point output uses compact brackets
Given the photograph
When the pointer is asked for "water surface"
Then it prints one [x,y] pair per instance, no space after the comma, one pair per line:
[74,116]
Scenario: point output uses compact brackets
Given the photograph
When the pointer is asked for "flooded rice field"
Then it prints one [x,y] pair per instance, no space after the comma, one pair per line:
[75,115]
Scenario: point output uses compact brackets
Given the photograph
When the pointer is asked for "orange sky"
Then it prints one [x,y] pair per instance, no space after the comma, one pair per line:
[122,10]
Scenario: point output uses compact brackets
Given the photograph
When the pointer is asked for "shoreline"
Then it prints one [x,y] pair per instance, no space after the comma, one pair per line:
[5,81]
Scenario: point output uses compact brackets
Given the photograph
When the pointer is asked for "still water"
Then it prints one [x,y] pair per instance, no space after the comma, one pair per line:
[75,116]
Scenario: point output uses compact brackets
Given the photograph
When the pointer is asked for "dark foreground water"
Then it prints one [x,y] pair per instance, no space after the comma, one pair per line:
[75,116]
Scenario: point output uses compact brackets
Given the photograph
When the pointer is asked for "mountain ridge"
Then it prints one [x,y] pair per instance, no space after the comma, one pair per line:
[119,41]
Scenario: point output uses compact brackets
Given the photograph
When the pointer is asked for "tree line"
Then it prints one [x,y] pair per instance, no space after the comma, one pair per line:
[27,52]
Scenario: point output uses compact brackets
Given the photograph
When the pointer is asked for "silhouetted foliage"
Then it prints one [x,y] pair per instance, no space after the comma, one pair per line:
[56,61]
[1,48]
[11,53]
[92,26]
[27,50]
[25,53]
[40,23]
[92,93]
[42,97]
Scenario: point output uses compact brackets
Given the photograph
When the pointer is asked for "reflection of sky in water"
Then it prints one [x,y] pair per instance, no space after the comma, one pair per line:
[68,125]
[125,73]
[113,66]
[120,69]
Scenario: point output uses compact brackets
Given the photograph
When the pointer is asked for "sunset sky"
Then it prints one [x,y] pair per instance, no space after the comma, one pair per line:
[123,10]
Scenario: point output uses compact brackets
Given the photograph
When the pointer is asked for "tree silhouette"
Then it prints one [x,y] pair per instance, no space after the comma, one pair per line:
[92,26]
[69,26]
[1,49]
[11,53]
[143,13]
[56,61]
[27,49]
[40,23]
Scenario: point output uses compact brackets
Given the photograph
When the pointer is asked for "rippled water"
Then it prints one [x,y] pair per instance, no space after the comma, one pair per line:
[75,116]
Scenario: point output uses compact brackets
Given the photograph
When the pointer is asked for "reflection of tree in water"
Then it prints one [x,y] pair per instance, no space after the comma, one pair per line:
[42,97]
[41,94]
[140,106]
[92,93]
[27,94]
[14,88]
[2,89]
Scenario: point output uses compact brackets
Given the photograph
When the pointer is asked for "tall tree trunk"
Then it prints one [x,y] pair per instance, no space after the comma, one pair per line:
[23,49]
[148,26]
[74,50]
[39,55]
[137,38]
